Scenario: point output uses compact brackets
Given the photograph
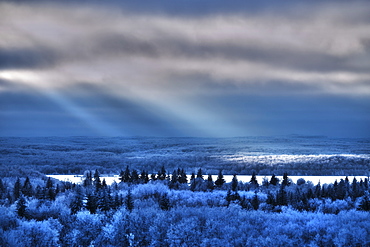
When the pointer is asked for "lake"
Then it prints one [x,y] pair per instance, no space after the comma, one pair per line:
[244,178]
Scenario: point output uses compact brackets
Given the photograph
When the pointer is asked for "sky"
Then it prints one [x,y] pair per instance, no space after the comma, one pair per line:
[184,68]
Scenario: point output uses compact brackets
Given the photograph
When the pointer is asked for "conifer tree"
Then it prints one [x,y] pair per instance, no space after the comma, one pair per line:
[220,179]
[91,203]
[3,189]
[245,203]
[274,180]
[193,183]
[21,206]
[192,177]
[285,181]
[209,184]
[162,173]
[365,202]
[318,192]
[356,190]
[88,179]
[134,177]
[281,197]
[125,176]
[164,202]
[129,203]
[104,184]
[341,190]
[174,184]
[200,173]
[49,183]
[183,178]
[174,177]
[234,183]
[2,186]
[97,181]
[39,192]
[270,199]
[50,194]
[228,197]
[255,201]
[77,201]
[27,188]
[253,180]
[17,189]
[104,200]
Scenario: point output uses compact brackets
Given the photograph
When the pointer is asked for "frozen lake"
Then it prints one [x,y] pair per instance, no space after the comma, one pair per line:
[244,178]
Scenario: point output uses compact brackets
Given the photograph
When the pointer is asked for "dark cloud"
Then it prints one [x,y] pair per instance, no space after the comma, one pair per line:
[26,58]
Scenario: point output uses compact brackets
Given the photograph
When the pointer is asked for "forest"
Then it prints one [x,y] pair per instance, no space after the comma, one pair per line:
[296,155]
[165,209]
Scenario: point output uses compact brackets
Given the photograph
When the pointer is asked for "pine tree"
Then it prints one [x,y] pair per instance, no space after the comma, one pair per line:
[193,183]
[365,202]
[17,189]
[27,188]
[88,179]
[49,183]
[129,203]
[134,177]
[104,200]
[3,190]
[40,192]
[228,197]
[253,180]
[97,181]
[192,177]
[255,201]
[220,179]
[104,184]
[50,194]
[356,190]
[117,201]
[77,201]
[318,192]
[270,199]
[286,181]
[21,206]
[245,203]
[91,203]
[234,183]
[174,177]
[162,173]
[125,176]
[200,173]
[274,180]
[164,202]
[341,190]
[209,184]
[174,184]
[183,178]
[281,197]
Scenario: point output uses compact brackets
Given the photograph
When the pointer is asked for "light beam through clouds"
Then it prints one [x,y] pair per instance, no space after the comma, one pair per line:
[167,63]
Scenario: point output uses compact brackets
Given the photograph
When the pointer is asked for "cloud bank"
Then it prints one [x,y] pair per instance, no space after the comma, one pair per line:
[171,61]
